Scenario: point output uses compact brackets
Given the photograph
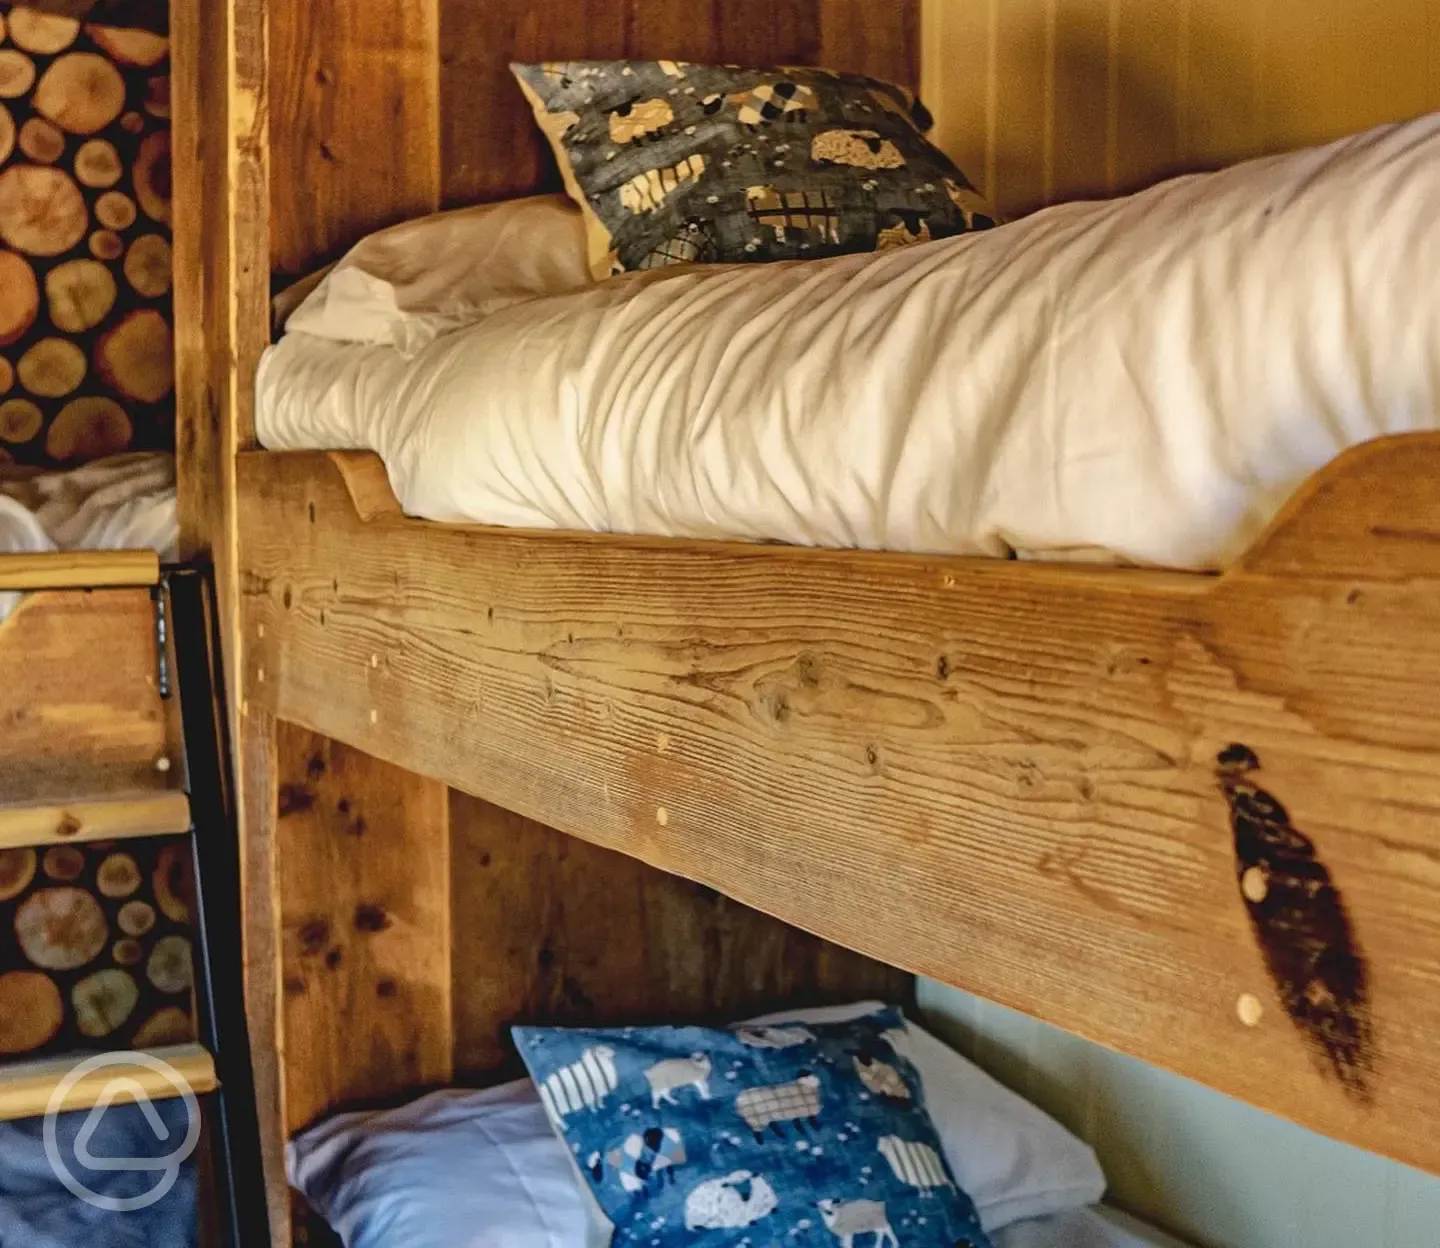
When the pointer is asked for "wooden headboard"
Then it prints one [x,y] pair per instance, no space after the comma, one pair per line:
[387,109]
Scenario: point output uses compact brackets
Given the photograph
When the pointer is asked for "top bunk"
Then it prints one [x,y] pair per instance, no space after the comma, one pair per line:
[1189,814]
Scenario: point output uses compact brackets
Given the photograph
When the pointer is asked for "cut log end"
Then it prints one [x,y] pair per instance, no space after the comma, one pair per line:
[106,245]
[42,33]
[147,266]
[42,211]
[157,96]
[81,92]
[88,428]
[151,175]
[17,73]
[80,294]
[42,142]
[115,210]
[139,48]
[97,164]
[136,358]
[52,368]
[20,420]
[7,375]
[19,297]
[7,134]
[132,122]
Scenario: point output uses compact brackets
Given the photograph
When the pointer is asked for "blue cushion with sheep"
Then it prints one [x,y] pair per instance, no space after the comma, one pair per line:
[806,1136]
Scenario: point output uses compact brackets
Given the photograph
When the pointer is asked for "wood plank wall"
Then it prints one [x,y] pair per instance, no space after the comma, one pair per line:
[395,108]
[1040,101]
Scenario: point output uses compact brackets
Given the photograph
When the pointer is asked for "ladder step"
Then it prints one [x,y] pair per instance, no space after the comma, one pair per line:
[79,569]
[26,1088]
[105,819]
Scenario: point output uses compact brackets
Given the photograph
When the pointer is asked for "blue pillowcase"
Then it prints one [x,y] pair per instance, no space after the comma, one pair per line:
[797,1135]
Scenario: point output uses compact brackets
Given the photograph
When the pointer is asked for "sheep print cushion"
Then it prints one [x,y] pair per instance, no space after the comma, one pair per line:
[806,1136]
[679,163]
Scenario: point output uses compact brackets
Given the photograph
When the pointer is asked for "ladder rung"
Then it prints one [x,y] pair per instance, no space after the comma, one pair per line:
[79,569]
[104,819]
[27,1087]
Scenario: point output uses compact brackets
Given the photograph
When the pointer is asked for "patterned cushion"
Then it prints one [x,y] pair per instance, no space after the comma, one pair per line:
[806,1135]
[676,163]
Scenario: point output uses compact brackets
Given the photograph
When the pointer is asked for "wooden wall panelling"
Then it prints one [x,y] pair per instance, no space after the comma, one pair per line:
[356,82]
[550,928]
[999,775]
[363,877]
[392,107]
[1041,101]
[493,149]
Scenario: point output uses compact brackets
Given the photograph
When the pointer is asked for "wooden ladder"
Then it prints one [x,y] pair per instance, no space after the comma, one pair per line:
[216,1069]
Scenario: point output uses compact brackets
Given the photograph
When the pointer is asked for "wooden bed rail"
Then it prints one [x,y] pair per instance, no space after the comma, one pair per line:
[79,569]
[1194,818]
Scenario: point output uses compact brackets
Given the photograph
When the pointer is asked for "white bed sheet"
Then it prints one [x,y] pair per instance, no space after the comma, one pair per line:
[1098,1227]
[1146,379]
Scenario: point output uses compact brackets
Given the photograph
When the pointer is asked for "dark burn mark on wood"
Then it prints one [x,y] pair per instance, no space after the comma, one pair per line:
[333,958]
[386,989]
[942,668]
[314,936]
[371,918]
[315,766]
[294,986]
[1299,920]
[294,798]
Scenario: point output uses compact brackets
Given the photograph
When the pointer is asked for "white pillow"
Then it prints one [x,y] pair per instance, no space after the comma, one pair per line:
[1013,1159]
[454,1169]
[406,285]
[485,1169]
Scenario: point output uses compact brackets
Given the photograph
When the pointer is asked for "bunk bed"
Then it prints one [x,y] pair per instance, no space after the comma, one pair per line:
[1025,778]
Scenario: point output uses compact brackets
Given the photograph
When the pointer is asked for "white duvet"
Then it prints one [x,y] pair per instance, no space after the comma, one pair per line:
[1145,379]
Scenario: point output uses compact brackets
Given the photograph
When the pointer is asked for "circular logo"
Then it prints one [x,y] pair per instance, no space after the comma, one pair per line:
[122,1086]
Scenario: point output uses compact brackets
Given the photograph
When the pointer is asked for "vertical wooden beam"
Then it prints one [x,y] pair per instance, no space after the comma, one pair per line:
[364,888]
[257,783]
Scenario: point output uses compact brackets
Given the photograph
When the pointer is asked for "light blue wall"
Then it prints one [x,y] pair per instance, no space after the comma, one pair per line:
[1197,1162]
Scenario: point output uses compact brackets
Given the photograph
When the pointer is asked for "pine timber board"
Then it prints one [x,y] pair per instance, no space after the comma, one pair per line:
[26,1088]
[80,709]
[79,569]
[363,885]
[116,818]
[551,929]
[996,774]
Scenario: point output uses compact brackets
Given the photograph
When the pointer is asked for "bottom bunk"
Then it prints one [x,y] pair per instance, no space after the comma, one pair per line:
[416,925]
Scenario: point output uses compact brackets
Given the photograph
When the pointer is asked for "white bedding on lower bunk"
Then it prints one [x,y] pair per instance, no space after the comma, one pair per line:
[1145,379]
[1097,1227]
[123,502]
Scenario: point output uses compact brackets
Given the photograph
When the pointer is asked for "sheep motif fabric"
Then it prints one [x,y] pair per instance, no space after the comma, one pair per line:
[804,1137]
[675,163]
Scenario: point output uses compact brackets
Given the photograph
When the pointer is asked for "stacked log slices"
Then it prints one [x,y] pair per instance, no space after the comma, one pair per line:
[86,355]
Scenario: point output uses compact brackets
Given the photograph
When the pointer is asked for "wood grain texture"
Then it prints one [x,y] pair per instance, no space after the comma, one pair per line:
[552,929]
[26,1088]
[257,770]
[357,84]
[155,814]
[79,569]
[1001,775]
[364,890]
[80,710]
